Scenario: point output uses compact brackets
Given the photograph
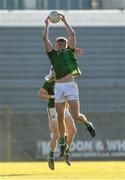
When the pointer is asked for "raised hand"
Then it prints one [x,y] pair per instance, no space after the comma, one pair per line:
[62,17]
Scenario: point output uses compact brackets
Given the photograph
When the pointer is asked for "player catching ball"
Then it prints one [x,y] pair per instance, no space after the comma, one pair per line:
[64,62]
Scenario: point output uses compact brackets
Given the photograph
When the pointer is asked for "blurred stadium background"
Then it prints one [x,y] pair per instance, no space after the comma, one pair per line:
[100,29]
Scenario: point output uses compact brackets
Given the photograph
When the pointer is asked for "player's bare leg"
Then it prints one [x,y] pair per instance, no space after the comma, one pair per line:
[53,142]
[60,108]
[71,131]
[75,112]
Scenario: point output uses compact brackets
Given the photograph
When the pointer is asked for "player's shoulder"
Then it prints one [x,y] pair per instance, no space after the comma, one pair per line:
[70,49]
[50,81]
[52,50]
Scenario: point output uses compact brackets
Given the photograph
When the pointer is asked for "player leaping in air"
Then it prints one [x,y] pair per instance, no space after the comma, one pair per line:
[64,62]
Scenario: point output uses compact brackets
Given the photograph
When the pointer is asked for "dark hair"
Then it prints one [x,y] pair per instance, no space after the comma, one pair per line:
[62,39]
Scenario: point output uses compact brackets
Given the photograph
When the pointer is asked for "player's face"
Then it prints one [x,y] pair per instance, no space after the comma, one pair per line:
[61,45]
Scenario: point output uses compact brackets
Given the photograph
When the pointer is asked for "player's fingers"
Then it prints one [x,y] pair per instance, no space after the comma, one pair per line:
[61,16]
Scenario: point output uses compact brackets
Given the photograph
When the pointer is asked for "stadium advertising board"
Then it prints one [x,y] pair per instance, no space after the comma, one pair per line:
[87,149]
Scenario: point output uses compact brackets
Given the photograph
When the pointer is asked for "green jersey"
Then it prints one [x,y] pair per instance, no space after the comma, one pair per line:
[49,87]
[63,62]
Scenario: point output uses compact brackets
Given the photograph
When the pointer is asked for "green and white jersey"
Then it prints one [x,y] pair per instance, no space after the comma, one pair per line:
[63,62]
[49,87]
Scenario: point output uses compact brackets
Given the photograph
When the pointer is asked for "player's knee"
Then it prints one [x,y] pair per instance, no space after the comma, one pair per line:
[75,116]
[74,131]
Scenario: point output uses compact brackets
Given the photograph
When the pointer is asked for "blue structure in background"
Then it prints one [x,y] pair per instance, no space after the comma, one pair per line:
[60,4]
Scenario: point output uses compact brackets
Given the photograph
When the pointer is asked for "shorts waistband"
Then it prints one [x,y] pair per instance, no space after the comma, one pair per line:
[70,82]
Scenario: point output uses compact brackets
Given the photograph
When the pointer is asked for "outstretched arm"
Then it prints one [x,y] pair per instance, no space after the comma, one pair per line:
[71,33]
[44,94]
[47,43]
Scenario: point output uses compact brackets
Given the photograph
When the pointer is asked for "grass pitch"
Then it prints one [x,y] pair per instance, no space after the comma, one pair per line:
[78,170]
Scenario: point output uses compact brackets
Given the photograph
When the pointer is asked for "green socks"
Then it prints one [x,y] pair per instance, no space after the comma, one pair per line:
[51,154]
[67,149]
[86,124]
[62,140]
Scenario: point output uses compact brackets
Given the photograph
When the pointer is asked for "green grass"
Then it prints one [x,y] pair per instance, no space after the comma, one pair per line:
[78,170]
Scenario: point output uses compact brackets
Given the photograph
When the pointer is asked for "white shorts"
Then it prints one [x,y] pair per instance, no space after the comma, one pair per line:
[52,114]
[66,91]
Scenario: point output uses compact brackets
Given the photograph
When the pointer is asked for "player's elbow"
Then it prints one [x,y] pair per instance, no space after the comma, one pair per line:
[73,33]
[72,36]
[41,94]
